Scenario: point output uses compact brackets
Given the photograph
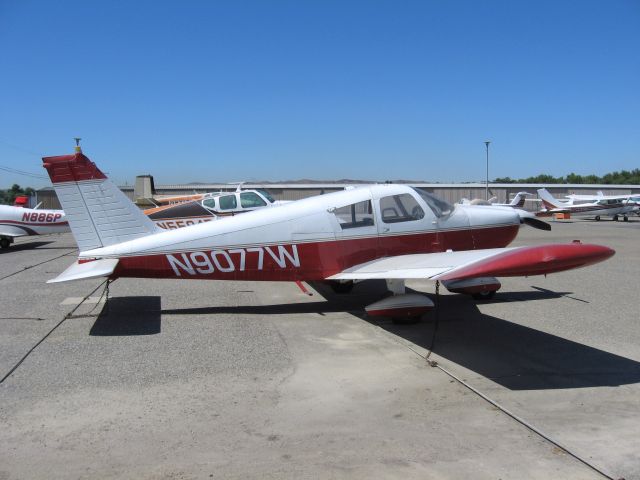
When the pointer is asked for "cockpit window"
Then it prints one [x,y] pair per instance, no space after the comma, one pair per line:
[400,208]
[440,207]
[209,203]
[251,200]
[355,215]
[228,202]
[266,195]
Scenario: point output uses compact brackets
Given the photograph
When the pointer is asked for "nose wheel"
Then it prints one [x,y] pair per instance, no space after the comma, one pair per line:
[4,242]
[482,296]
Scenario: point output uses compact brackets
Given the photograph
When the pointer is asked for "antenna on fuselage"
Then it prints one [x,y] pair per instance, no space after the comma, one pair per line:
[78,149]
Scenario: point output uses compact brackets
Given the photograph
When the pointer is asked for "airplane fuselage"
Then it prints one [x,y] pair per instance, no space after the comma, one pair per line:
[611,208]
[314,238]
[18,221]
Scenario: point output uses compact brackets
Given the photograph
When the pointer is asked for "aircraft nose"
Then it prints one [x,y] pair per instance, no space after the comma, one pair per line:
[484,216]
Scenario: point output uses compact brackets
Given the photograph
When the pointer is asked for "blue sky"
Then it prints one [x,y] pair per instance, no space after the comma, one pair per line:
[275,90]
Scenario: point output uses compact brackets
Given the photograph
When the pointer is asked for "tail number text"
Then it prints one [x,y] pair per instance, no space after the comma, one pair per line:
[235,259]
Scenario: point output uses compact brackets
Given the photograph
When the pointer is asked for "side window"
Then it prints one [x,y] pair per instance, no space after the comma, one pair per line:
[210,203]
[251,200]
[400,208]
[355,215]
[228,202]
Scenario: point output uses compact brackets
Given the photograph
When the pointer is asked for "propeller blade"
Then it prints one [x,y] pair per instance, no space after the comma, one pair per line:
[535,223]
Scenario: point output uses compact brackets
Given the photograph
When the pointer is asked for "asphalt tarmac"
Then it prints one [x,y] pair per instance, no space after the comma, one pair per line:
[193,379]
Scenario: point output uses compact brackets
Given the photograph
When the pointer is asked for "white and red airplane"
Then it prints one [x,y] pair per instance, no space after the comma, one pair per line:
[211,206]
[20,221]
[391,232]
[613,206]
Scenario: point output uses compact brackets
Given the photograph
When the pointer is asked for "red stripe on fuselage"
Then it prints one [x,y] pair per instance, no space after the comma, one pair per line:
[317,260]
[36,224]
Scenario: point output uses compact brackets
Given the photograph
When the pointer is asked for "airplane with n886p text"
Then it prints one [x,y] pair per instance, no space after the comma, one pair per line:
[387,231]
[21,221]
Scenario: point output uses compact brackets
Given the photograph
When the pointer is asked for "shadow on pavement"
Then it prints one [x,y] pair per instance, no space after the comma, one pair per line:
[511,355]
[129,316]
[30,246]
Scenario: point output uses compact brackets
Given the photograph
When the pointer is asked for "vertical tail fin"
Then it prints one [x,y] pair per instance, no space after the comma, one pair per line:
[548,200]
[518,200]
[98,212]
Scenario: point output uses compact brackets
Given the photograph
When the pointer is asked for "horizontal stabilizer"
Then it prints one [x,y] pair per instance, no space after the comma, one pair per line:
[90,269]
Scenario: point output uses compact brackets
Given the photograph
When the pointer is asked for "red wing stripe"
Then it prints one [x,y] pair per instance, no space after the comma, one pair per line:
[538,260]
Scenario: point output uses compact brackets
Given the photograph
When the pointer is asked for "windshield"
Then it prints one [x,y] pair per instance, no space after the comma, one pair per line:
[440,207]
[266,195]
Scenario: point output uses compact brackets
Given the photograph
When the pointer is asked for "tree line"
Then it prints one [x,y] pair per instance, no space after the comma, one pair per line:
[623,177]
[7,197]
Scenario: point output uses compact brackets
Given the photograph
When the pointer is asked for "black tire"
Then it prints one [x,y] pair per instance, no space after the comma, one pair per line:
[488,295]
[4,242]
[615,218]
[341,287]
[406,320]
[597,218]
[625,218]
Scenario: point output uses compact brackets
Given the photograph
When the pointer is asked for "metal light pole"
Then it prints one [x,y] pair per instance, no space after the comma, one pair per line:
[486,188]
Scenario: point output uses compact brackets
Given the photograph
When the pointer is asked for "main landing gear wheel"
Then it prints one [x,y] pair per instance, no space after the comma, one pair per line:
[625,218]
[488,295]
[4,242]
[406,320]
[597,218]
[615,218]
[341,287]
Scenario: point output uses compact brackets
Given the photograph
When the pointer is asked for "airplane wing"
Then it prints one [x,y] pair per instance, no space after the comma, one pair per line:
[494,262]
[11,234]
[558,210]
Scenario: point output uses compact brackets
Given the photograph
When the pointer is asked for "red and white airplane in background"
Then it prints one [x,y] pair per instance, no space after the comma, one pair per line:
[210,206]
[390,232]
[632,198]
[21,221]
[611,206]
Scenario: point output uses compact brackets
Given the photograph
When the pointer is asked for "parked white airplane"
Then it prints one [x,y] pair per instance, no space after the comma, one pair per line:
[20,221]
[391,232]
[210,206]
[517,202]
[611,207]
[632,197]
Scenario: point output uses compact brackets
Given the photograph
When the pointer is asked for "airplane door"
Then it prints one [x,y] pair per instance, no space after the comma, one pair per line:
[454,230]
[355,231]
[406,225]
